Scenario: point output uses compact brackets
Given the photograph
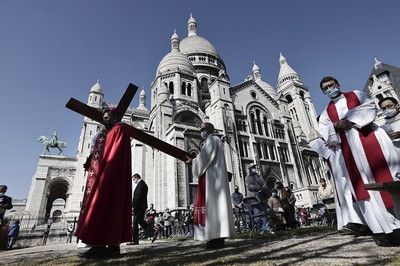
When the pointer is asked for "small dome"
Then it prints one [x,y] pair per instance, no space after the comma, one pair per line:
[196,44]
[174,36]
[175,60]
[191,19]
[97,87]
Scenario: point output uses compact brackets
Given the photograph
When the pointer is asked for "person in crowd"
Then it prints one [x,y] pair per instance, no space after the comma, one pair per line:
[150,217]
[391,112]
[256,185]
[5,201]
[276,206]
[13,233]
[46,233]
[167,218]
[189,221]
[139,204]
[4,226]
[70,232]
[238,207]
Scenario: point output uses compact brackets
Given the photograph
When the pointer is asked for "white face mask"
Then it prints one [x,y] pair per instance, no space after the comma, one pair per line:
[203,134]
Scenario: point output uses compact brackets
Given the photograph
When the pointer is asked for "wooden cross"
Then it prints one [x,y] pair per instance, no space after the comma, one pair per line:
[138,134]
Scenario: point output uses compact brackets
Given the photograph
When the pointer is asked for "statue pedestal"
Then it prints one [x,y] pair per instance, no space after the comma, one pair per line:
[52,180]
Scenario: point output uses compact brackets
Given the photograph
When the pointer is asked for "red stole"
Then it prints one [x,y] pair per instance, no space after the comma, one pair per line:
[199,215]
[375,157]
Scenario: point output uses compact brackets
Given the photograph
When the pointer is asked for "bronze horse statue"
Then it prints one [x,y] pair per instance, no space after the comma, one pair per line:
[52,143]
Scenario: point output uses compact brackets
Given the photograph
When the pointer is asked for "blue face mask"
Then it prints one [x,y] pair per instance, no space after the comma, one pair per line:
[390,112]
[332,92]
[203,134]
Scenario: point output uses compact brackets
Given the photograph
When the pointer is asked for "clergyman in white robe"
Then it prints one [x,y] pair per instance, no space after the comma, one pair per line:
[218,212]
[368,155]
[347,211]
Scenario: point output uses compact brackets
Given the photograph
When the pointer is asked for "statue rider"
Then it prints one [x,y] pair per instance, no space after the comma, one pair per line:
[54,139]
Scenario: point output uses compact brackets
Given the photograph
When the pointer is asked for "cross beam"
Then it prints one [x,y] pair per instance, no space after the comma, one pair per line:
[96,115]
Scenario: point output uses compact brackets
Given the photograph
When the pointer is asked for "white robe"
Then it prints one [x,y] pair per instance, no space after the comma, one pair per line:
[372,205]
[347,211]
[219,214]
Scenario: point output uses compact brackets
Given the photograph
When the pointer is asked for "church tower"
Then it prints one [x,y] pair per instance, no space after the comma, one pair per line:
[291,88]
[88,131]
[174,109]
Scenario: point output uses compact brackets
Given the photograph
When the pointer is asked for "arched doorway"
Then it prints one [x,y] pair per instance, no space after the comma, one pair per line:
[57,196]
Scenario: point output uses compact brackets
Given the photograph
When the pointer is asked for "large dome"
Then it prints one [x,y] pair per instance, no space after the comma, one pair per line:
[174,60]
[196,44]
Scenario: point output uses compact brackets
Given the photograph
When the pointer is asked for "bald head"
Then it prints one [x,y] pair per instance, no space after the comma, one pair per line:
[207,127]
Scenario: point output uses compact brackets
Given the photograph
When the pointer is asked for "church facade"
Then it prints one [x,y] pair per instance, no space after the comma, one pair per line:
[257,123]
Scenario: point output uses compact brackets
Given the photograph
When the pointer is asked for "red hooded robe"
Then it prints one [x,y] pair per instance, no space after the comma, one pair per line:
[106,213]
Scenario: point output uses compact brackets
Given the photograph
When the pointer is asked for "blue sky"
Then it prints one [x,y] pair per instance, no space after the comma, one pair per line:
[53,50]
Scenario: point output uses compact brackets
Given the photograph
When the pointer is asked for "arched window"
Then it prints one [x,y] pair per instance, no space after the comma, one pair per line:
[183,88]
[258,121]
[265,122]
[188,118]
[288,98]
[204,84]
[253,123]
[302,95]
[171,87]
[189,89]
[379,97]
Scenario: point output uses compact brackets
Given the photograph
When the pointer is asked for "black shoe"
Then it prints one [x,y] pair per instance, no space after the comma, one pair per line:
[94,252]
[394,237]
[384,240]
[215,243]
[113,250]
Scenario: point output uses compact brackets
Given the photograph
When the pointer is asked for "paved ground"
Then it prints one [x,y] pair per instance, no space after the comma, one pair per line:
[329,248]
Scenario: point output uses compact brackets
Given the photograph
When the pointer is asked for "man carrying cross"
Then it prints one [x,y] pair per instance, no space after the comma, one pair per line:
[106,215]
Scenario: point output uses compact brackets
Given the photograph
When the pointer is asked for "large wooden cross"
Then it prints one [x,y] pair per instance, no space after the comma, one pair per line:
[138,134]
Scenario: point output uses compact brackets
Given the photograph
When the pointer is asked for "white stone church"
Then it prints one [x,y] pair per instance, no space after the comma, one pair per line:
[258,124]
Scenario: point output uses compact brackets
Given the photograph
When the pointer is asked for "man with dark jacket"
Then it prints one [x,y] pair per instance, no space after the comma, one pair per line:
[139,205]
[5,202]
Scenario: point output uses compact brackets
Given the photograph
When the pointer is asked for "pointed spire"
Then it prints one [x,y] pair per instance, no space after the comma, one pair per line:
[256,71]
[175,41]
[192,26]
[255,67]
[142,101]
[377,63]
[286,70]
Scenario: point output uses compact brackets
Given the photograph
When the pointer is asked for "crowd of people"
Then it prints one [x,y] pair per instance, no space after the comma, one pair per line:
[357,151]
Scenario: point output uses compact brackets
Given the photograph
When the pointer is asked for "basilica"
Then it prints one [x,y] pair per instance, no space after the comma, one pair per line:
[257,122]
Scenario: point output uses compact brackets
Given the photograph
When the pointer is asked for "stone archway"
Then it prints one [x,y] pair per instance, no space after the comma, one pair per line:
[57,189]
